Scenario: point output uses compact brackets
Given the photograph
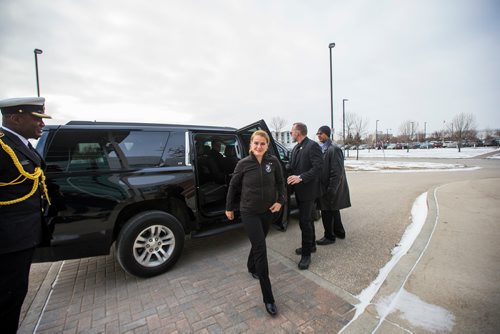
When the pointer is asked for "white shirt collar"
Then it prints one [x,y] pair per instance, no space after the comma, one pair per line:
[24,140]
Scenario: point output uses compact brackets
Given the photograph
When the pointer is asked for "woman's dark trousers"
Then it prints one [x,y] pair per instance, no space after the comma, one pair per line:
[257,226]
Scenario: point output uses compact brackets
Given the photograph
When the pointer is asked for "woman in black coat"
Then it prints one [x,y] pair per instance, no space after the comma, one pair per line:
[260,180]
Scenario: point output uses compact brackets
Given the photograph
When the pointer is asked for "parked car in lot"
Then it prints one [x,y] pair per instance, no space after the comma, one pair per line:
[391,146]
[401,146]
[450,144]
[492,142]
[427,145]
[141,187]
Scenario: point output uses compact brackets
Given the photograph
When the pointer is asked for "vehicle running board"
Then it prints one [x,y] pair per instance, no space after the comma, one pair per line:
[217,230]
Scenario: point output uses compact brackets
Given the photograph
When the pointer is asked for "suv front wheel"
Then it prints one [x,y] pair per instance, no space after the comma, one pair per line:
[149,243]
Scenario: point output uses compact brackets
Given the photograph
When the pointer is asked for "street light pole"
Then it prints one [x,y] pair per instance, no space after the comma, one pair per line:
[331,46]
[425,131]
[376,134]
[37,52]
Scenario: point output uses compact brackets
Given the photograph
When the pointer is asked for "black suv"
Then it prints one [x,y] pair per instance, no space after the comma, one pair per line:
[143,187]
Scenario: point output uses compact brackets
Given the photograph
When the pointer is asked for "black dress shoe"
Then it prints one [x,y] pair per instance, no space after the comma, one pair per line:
[271,309]
[325,241]
[298,251]
[254,275]
[340,235]
[305,261]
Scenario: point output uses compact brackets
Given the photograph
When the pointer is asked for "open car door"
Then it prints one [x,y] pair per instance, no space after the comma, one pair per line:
[244,134]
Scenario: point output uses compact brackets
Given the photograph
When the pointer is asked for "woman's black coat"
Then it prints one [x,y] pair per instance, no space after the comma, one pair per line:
[261,185]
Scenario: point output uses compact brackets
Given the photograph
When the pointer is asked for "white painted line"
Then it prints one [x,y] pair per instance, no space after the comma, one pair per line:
[48,298]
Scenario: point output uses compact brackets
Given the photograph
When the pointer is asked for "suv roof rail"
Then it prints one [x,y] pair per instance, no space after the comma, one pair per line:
[201,127]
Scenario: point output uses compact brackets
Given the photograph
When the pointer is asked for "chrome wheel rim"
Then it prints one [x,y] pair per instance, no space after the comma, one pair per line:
[154,245]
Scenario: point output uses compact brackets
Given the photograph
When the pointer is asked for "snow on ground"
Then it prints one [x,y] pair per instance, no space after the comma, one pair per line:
[403,166]
[496,156]
[418,217]
[351,164]
[438,153]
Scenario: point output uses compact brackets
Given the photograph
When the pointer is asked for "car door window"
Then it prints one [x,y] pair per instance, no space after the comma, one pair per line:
[139,149]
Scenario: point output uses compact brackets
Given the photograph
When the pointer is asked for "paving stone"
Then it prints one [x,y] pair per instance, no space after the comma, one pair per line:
[214,294]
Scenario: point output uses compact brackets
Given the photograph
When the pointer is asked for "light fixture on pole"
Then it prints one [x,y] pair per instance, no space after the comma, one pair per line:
[331,46]
[376,133]
[37,52]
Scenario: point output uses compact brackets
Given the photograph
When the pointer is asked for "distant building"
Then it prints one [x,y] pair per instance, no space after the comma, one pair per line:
[283,137]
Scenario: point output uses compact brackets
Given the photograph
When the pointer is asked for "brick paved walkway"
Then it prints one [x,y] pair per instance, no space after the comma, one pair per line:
[210,293]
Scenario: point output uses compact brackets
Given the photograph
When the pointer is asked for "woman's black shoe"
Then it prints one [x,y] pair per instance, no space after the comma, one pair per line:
[305,261]
[271,309]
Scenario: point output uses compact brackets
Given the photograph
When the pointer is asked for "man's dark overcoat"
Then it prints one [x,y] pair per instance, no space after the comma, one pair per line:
[334,187]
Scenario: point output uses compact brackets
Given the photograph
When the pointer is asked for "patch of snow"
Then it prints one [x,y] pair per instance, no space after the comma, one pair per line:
[444,153]
[403,166]
[416,311]
[418,217]
[496,156]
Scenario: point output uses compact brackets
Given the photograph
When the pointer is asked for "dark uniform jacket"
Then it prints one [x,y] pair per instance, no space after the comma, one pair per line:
[334,188]
[261,185]
[306,162]
[20,223]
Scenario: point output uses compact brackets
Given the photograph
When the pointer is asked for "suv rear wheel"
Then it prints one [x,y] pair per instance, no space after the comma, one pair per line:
[149,243]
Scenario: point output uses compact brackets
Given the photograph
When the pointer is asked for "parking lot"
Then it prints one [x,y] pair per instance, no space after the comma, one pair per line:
[209,290]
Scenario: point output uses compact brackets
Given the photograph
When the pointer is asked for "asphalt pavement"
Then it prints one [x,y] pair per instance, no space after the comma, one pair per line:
[451,271]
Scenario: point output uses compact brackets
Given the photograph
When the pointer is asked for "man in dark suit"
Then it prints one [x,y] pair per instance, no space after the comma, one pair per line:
[334,188]
[21,200]
[306,163]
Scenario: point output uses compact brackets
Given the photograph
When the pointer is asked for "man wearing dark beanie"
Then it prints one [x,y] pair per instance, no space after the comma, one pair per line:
[334,191]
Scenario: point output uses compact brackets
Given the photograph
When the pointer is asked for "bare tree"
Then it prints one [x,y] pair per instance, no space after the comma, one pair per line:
[350,119]
[359,126]
[278,123]
[462,124]
[405,131]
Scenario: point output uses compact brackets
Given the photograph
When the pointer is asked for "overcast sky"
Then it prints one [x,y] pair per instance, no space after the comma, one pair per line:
[233,62]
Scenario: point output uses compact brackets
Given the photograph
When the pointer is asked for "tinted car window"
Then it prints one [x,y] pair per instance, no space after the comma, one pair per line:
[283,153]
[174,153]
[77,151]
[139,148]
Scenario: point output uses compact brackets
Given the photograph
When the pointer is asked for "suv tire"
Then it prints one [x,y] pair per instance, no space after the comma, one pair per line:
[149,243]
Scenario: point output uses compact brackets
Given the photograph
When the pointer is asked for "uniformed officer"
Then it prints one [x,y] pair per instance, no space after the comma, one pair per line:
[22,196]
